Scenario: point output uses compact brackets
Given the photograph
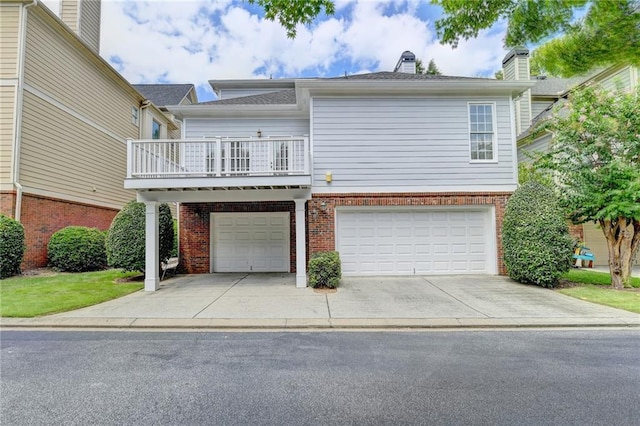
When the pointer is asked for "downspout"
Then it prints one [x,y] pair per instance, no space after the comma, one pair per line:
[18,109]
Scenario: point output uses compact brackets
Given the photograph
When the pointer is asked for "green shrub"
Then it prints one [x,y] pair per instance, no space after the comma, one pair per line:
[77,249]
[12,246]
[535,236]
[126,238]
[325,269]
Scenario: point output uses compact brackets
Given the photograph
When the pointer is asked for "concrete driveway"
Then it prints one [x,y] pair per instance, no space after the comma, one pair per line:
[272,300]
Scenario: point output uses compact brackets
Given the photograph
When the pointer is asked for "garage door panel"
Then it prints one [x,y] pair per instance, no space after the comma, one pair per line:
[413,241]
[250,242]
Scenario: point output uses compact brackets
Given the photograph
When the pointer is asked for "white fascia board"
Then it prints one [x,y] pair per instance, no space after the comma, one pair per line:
[414,87]
[204,111]
[204,196]
[252,83]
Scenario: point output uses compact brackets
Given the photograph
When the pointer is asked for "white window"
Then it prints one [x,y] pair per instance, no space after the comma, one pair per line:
[156,129]
[134,115]
[482,131]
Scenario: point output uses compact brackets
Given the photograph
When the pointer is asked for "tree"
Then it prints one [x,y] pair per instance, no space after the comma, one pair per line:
[432,68]
[498,75]
[594,156]
[608,33]
[290,13]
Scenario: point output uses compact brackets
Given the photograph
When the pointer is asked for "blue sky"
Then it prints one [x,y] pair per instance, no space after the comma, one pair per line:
[193,41]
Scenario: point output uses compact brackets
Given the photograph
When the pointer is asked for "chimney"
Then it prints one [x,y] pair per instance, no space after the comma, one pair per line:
[406,63]
[83,17]
[515,66]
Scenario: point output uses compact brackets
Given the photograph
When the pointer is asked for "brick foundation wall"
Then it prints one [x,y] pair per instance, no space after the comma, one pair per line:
[195,232]
[321,220]
[8,203]
[42,216]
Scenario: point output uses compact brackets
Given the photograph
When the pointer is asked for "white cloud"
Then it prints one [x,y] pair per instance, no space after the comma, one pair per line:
[197,40]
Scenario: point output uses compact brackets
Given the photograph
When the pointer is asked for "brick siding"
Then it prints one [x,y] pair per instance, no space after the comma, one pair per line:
[321,220]
[195,232]
[195,226]
[42,216]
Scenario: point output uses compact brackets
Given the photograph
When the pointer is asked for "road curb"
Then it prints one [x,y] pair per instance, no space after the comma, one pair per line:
[312,323]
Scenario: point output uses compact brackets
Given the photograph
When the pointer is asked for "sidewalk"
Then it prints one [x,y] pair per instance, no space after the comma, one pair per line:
[271,301]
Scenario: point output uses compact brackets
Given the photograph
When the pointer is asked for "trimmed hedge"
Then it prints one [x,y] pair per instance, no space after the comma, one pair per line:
[126,239]
[77,249]
[12,246]
[535,236]
[325,269]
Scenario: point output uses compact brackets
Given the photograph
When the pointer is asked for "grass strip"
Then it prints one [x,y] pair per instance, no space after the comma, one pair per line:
[27,297]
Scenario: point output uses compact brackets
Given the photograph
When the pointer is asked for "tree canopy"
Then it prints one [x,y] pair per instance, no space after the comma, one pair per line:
[594,157]
[608,33]
[290,13]
[432,68]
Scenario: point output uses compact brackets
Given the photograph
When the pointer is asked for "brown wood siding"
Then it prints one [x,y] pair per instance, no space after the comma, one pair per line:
[9,39]
[61,154]
[7,102]
[76,79]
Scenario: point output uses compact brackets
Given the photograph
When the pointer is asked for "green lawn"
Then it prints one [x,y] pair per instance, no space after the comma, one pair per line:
[27,297]
[594,277]
[595,287]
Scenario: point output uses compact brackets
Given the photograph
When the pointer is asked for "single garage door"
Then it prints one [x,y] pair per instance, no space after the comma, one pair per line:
[250,242]
[408,242]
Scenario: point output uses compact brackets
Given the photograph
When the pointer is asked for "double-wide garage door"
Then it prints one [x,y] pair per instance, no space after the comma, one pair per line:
[250,242]
[407,242]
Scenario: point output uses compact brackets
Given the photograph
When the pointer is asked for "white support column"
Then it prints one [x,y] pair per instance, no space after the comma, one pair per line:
[152,247]
[301,245]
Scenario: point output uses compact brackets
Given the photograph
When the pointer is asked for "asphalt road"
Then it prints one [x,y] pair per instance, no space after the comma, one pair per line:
[527,377]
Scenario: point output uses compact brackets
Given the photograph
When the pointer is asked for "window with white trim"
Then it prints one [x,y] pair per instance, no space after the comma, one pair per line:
[481,131]
[134,115]
[156,130]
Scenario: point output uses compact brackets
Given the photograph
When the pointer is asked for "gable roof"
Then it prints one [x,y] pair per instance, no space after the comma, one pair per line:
[288,96]
[164,94]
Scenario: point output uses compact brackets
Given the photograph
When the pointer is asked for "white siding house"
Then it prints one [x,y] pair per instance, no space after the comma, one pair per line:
[401,173]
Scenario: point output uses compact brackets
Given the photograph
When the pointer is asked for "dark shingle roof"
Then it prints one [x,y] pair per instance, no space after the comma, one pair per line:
[164,94]
[288,96]
[388,75]
[555,86]
[281,97]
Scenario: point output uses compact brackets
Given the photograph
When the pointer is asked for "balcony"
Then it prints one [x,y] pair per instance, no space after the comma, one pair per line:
[218,164]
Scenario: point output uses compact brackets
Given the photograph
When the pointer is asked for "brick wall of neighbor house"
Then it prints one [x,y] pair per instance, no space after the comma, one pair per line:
[321,226]
[8,203]
[195,232]
[576,232]
[42,216]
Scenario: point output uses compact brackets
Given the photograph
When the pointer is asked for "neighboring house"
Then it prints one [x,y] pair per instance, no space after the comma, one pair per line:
[162,95]
[533,107]
[401,173]
[64,120]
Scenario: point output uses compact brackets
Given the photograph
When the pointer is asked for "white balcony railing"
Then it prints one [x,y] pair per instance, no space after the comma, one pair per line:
[217,157]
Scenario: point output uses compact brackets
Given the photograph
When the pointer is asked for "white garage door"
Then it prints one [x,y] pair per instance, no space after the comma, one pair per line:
[250,242]
[416,242]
